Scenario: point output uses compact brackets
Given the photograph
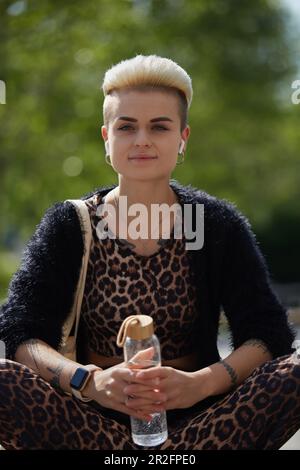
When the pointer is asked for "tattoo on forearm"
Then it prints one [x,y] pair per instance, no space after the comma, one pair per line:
[258,343]
[34,352]
[231,372]
[55,381]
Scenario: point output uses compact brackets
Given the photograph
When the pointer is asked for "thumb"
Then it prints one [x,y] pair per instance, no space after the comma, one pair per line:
[142,359]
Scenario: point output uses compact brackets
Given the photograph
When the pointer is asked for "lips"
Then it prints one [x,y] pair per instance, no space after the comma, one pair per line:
[142,157]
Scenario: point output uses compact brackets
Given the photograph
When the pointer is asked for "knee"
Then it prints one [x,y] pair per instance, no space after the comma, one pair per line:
[285,372]
[9,372]
[288,365]
[289,370]
[6,365]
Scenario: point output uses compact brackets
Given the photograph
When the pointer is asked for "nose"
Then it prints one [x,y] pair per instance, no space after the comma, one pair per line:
[142,139]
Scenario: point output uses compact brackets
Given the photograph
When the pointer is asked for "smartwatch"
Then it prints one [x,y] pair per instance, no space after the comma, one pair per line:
[80,379]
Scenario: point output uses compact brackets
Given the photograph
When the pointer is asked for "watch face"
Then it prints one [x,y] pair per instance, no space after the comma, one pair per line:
[79,378]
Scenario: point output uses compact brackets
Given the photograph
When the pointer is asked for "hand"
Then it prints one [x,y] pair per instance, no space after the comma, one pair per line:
[177,388]
[107,388]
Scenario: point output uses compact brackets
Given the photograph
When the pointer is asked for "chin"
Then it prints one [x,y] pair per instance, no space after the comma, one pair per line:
[143,176]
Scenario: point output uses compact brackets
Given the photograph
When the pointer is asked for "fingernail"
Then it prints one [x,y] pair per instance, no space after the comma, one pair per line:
[144,417]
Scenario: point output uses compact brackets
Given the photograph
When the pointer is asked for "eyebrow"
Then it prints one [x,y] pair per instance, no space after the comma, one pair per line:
[161,118]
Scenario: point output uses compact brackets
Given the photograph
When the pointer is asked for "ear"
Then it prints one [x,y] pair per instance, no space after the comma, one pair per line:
[104,132]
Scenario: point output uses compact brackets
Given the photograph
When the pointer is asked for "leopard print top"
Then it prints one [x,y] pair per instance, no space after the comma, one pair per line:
[121,282]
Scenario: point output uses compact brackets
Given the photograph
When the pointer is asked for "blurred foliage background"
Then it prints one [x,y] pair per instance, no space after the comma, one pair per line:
[245,131]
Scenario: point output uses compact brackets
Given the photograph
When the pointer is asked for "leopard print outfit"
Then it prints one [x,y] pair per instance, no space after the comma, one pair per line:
[262,413]
[121,283]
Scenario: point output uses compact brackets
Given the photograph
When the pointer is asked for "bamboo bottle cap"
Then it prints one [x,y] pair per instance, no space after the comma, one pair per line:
[136,327]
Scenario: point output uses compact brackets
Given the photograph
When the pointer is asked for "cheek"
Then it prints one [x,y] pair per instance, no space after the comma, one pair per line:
[123,145]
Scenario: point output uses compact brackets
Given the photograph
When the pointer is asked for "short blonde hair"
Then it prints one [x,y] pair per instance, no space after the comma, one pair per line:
[147,73]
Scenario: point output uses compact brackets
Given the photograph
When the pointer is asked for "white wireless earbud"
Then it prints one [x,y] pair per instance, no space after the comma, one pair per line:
[181,146]
[107,147]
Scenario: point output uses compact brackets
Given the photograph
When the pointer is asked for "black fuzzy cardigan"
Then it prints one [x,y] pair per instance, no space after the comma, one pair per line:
[230,270]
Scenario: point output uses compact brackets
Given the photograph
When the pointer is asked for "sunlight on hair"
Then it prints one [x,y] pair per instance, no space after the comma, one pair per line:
[146,73]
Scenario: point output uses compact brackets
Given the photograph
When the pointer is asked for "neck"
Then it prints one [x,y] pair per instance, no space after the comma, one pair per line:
[142,192]
[146,192]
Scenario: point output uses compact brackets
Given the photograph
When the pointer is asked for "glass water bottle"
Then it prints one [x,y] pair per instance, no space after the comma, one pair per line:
[138,335]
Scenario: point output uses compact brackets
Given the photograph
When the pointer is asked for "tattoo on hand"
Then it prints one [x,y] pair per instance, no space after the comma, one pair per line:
[57,373]
[258,343]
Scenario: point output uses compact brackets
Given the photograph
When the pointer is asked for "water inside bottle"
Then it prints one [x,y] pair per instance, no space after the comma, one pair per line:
[151,433]
[154,432]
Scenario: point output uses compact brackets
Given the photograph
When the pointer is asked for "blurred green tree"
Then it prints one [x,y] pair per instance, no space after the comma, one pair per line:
[245,130]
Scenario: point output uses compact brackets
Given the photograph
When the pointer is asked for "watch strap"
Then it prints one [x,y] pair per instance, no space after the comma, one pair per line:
[78,393]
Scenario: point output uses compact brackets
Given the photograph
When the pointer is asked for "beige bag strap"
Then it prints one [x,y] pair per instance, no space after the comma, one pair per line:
[86,229]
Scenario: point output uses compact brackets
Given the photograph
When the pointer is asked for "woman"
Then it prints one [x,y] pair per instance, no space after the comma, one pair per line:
[247,401]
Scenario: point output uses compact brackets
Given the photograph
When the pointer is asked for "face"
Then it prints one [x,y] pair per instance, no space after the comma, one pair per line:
[144,123]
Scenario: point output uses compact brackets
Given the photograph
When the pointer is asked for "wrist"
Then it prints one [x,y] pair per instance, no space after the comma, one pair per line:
[90,389]
[204,382]
[217,379]
[80,381]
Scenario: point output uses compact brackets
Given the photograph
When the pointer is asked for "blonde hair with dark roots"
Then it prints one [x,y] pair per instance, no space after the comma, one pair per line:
[148,73]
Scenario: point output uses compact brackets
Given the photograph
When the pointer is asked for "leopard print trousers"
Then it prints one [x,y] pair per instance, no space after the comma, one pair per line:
[262,413]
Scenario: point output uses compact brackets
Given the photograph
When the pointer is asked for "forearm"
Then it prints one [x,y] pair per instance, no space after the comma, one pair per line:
[241,362]
[47,362]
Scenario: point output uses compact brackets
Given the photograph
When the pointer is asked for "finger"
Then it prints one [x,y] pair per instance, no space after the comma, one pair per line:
[155,373]
[143,402]
[150,395]
[139,414]
[147,353]
[142,359]
[124,374]
[137,389]
[144,407]
[152,373]
[151,409]
[151,398]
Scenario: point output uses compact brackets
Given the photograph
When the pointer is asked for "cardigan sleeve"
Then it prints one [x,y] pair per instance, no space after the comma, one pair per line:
[41,292]
[250,304]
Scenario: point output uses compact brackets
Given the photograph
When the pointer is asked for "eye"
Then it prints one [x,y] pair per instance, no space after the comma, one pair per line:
[124,127]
